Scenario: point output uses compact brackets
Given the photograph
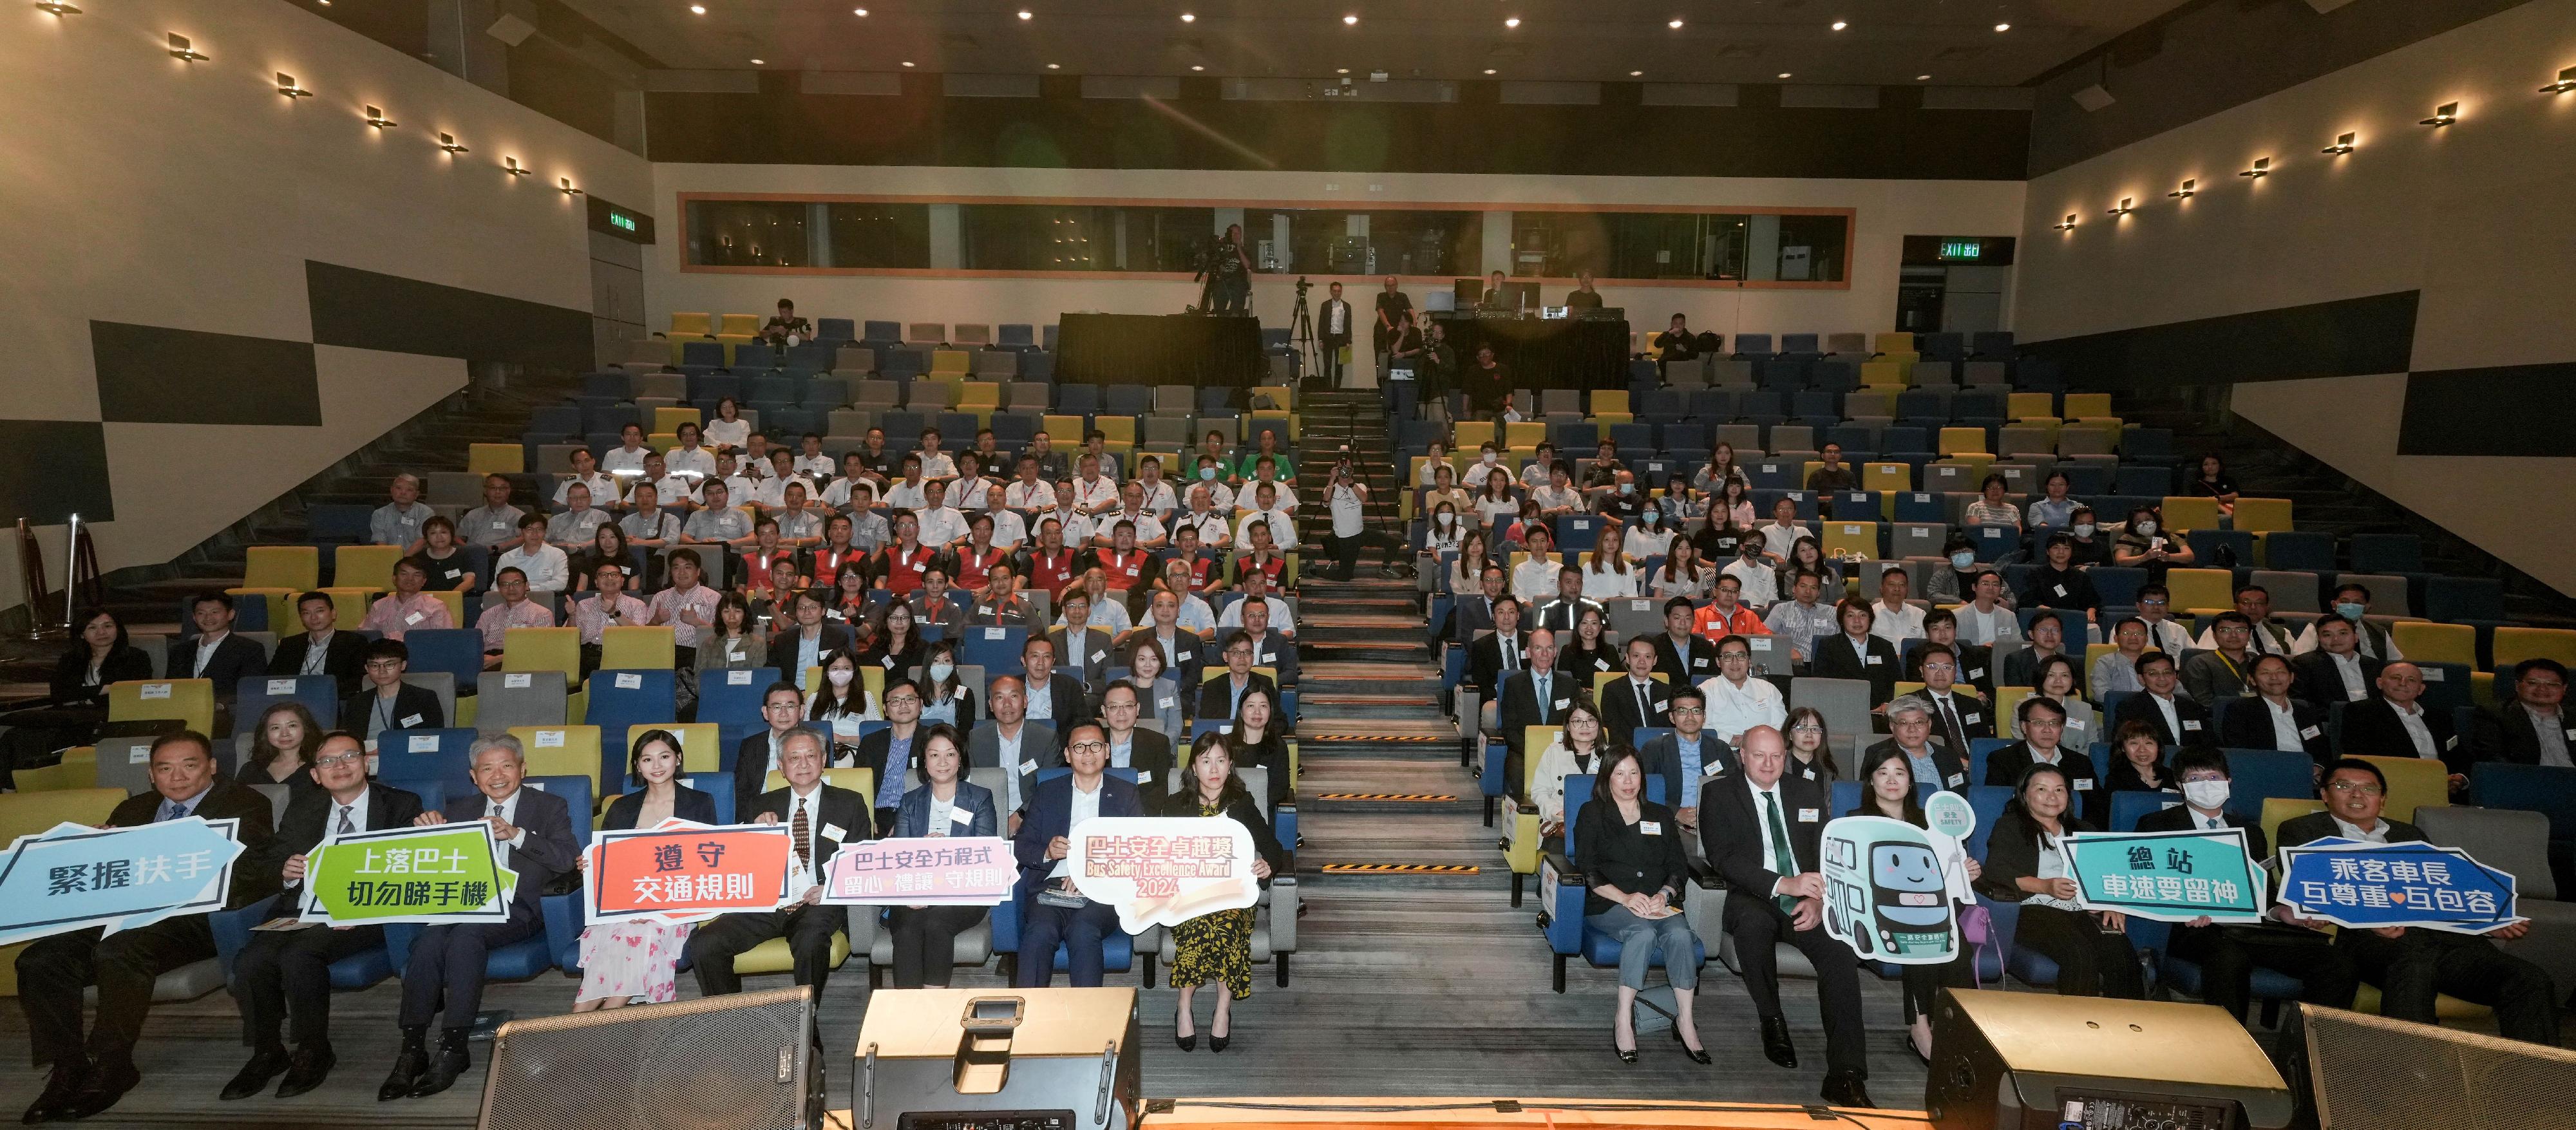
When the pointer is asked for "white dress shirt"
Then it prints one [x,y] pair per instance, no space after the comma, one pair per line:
[2285,725]
[2411,716]
[2355,688]
[1732,709]
[1895,625]
[507,808]
[1086,806]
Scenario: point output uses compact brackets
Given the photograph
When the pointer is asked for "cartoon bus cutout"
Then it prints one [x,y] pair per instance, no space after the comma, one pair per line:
[1890,890]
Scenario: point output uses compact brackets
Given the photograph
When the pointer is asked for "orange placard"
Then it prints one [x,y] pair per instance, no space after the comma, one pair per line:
[684,872]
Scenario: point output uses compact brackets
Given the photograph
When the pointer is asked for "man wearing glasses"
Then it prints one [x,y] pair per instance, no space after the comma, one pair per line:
[2532,728]
[1057,810]
[1688,757]
[387,702]
[891,752]
[514,611]
[1737,699]
[2164,633]
[2412,965]
[284,976]
[2212,677]
[764,753]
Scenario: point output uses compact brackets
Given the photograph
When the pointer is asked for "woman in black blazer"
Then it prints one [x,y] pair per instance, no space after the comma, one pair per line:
[1591,653]
[2249,721]
[1634,876]
[1217,946]
[2137,766]
[624,961]
[1853,653]
[1887,781]
[77,702]
[944,804]
[2025,864]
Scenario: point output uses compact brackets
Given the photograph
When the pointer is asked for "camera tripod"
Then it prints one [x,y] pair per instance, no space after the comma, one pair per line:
[1301,334]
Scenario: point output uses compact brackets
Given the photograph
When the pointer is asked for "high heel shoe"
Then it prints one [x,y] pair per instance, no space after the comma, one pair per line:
[1626,1055]
[1697,1055]
[1188,1043]
[1217,1043]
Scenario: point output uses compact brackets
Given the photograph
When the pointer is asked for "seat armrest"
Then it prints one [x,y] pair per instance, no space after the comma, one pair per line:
[1283,914]
[1560,891]
[861,924]
[232,929]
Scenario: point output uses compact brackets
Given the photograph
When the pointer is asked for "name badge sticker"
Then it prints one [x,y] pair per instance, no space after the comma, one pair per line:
[1958,779]
[1807,815]
[1870,660]
[961,816]
[2191,725]
[1028,767]
[2084,784]
[410,720]
[1650,828]
[2311,733]
[835,832]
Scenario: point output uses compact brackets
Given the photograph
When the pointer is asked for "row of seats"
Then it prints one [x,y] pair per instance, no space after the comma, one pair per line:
[1014,335]
[702,391]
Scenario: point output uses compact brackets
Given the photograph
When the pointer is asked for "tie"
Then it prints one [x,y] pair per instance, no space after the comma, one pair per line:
[935,606]
[172,810]
[345,826]
[1957,735]
[1782,861]
[801,829]
[1511,656]
[1645,708]
[1539,684]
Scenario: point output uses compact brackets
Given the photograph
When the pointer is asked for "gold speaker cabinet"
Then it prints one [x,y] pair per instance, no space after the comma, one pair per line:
[2031,1061]
[998,1059]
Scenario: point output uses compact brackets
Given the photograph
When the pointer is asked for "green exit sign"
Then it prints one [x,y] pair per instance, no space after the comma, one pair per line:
[621,220]
[1962,250]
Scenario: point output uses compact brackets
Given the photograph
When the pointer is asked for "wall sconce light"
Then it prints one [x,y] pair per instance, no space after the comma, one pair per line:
[2186,191]
[511,166]
[286,86]
[565,183]
[57,7]
[2566,82]
[180,50]
[2262,168]
[2123,208]
[2343,144]
[447,141]
[2067,224]
[2443,115]
[377,118]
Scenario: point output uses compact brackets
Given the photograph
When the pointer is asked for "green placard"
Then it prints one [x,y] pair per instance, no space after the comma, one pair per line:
[436,873]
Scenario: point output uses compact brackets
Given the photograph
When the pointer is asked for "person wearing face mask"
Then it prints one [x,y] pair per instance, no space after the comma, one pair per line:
[1651,534]
[2147,544]
[2352,603]
[1957,583]
[2228,955]
[1621,500]
[2087,542]
[1444,534]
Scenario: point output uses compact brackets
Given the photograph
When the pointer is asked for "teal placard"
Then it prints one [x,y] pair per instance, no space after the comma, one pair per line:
[2167,876]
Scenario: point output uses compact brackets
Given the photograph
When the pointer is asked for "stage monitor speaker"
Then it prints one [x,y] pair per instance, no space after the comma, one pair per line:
[998,1059]
[741,1061]
[2028,1061]
[2373,1073]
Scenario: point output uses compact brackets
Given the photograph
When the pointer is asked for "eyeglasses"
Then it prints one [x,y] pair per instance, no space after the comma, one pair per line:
[1734,657]
[1689,710]
[337,759]
[1090,747]
[2363,788]
[2152,603]
[903,700]
[384,664]
[1806,728]
[1930,667]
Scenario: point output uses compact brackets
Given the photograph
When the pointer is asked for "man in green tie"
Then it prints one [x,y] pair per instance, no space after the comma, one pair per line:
[1761,831]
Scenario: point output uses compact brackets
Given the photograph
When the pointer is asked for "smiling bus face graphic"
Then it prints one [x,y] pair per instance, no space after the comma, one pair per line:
[1910,901]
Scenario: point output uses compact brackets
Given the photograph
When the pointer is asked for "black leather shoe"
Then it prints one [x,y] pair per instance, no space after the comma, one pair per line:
[1775,1041]
[254,1076]
[450,1062]
[1626,1055]
[1697,1055]
[102,1087]
[1188,1043]
[305,1070]
[1842,1088]
[59,1089]
[408,1067]
[1216,1044]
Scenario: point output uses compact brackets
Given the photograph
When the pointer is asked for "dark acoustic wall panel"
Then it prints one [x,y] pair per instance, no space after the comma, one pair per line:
[158,375]
[2344,338]
[2508,410]
[365,310]
[52,469]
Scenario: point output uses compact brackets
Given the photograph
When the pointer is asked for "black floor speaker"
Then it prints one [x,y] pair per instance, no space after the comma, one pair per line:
[2032,1061]
[998,1059]
[743,1061]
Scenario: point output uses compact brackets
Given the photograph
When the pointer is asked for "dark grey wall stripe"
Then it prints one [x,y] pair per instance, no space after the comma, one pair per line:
[2505,410]
[2348,337]
[366,310]
[158,375]
[52,469]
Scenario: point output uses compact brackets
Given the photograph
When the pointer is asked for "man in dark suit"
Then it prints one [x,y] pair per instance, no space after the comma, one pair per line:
[892,754]
[820,818]
[1271,648]
[1218,697]
[532,834]
[788,643]
[1499,654]
[1132,747]
[1635,700]
[1055,698]
[2336,671]
[1539,695]
[1762,831]
[340,653]
[2394,724]
[782,706]
[2043,729]
[1008,741]
[89,1076]
[217,654]
[2530,728]
[2228,955]
[1909,727]
[1080,649]
[1866,657]
[1054,911]
[387,702]
[1333,327]
[1687,757]
[2254,722]
[2176,719]
[1683,656]
[2212,677]
[285,975]
[1958,717]
[1470,613]
[2413,965]
[1975,665]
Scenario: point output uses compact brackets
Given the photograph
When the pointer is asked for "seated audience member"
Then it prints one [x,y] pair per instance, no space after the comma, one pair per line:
[577,524]
[1259,737]
[89,1074]
[942,803]
[496,522]
[637,960]
[2229,954]
[532,833]
[99,656]
[218,654]
[1055,697]
[1681,654]
[2047,641]
[2393,723]
[2175,719]
[1535,695]
[2268,636]
[1080,640]
[1055,911]
[1991,507]
[1157,690]
[2216,676]
[1959,715]
[1494,656]
[1832,474]
[1000,605]
[542,567]
[719,522]
[2164,633]
[647,525]
[1802,620]
[2146,544]
[1010,742]
[2056,681]
[2272,718]
[688,609]
[2351,605]
[1634,700]
[319,649]
[397,523]
[407,608]
[1726,615]
[1687,757]
[1910,728]
[608,606]
[2336,671]
[819,818]
[2410,964]
[585,474]
[2042,722]
[2531,726]
[1956,577]
[607,547]
[1762,830]
[1988,619]
[1266,527]
[283,977]
[782,710]
[1974,666]
[733,639]
[890,754]
[1856,652]
[807,639]
[2116,671]
[513,610]
[1634,876]
[1737,699]
[898,567]
[840,706]
[1887,781]
[2026,863]
[2060,581]
[1218,946]
[386,702]
[282,745]
[1577,751]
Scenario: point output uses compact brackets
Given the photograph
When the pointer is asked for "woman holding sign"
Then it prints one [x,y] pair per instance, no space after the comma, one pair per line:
[2026,863]
[1218,946]
[944,804]
[1633,874]
[1889,776]
[624,961]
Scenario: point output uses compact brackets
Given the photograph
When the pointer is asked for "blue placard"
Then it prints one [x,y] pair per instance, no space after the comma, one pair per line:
[2167,876]
[74,876]
[2366,886]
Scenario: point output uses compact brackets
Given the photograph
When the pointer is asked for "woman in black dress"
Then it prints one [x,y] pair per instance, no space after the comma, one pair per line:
[1591,652]
[76,701]
[1887,776]
[1217,946]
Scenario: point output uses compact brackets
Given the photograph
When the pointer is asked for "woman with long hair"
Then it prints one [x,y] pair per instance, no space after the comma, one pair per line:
[1495,503]
[1157,694]
[1217,946]
[1467,574]
[848,602]
[842,703]
[2056,680]
[1887,778]
[1683,574]
[623,962]
[607,546]
[1809,554]
[281,748]
[1811,750]
[1607,572]
[1259,738]
[2026,863]
[897,647]
[1590,652]
[1578,748]
[945,697]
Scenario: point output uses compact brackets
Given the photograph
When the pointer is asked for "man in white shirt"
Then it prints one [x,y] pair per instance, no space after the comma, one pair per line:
[1737,700]
[968,487]
[910,492]
[772,491]
[1535,579]
[628,458]
[744,489]
[1028,492]
[1558,497]
[397,523]
[2336,671]
[1094,492]
[1892,619]
[543,564]
[2164,633]
[1783,532]
[1213,527]
[935,464]
[689,460]
[941,524]
[676,494]
[686,606]
[496,522]
[1265,470]
[1987,620]
[1256,590]
[1267,515]
[854,474]
[1757,583]
[810,460]
[1188,611]
[1159,497]
[2270,636]
[1211,474]
[1009,529]
[1131,509]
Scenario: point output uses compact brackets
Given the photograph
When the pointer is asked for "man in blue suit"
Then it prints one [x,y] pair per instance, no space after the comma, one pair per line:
[532,833]
[1057,913]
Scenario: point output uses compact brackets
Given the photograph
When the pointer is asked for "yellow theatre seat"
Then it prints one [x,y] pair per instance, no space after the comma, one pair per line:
[2428,642]
[364,566]
[739,325]
[2085,405]
[773,956]
[2413,783]
[496,458]
[27,813]
[1473,435]
[956,361]
[1851,537]
[2262,515]
[2197,590]
[1885,374]
[1065,432]
[2031,406]
[1889,479]
[667,421]
[636,648]
[189,700]
[2190,513]
[297,567]
[543,649]
[2277,810]
[1962,441]
[691,325]
[561,751]
[2513,645]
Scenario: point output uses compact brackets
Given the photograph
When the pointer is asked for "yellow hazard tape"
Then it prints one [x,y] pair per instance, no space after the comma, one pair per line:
[1401,869]
[1423,797]
[1380,738]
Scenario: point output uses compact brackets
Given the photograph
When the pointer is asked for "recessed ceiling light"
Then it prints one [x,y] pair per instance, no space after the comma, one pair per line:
[1489,70]
[1676,25]
[1922,78]
[697,9]
[858,11]
[2003,27]
[1188,18]
[1784,74]
[1347,20]
[1841,24]
[907,62]
[1341,70]
[1055,66]
[1636,74]
[1027,14]
[758,63]
[1511,21]
[1196,67]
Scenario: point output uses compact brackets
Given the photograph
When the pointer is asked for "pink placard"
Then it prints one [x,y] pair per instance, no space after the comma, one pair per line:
[928,871]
